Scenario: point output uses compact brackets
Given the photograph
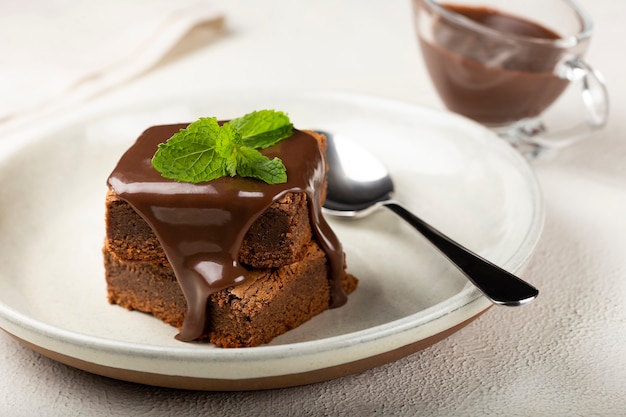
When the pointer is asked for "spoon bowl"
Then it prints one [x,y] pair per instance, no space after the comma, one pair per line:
[358,185]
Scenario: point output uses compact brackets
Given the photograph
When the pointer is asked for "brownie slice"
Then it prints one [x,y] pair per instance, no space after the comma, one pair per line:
[274,239]
[271,302]
[288,278]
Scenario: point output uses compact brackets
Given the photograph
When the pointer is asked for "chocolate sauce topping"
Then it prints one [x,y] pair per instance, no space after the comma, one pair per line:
[201,226]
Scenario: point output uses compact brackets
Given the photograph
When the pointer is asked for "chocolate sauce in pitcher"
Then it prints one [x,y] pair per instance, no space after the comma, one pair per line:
[202,226]
[480,75]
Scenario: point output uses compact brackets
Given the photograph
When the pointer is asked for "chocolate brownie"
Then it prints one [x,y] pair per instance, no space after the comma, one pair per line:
[271,302]
[276,238]
[234,260]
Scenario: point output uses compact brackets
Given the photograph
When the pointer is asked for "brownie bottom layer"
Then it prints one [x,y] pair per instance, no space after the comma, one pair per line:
[269,303]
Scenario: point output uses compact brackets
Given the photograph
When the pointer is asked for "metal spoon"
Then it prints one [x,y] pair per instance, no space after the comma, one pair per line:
[358,184]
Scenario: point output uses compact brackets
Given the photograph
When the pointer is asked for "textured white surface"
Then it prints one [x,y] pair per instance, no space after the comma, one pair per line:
[563,355]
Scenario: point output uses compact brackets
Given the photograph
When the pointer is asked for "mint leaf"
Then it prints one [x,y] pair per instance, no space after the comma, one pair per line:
[226,144]
[252,163]
[189,155]
[205,151]
[264,128]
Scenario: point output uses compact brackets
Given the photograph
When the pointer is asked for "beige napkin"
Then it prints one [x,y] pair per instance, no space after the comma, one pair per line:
[57,52]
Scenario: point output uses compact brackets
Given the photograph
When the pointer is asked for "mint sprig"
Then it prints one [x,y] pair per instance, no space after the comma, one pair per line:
[205,151]
[261,129]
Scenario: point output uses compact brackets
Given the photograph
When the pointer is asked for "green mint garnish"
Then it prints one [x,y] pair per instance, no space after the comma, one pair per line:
[205,151]
[264,128]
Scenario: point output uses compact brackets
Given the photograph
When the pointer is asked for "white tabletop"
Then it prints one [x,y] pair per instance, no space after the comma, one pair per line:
[564,354]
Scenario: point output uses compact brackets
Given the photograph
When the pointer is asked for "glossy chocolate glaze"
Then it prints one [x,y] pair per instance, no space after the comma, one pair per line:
[201,226]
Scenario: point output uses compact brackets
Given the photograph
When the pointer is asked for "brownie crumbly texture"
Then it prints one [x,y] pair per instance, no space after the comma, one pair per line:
[270,302]
[287,281]
[275,239]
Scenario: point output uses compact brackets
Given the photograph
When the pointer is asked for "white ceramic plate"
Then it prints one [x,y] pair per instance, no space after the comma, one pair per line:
[454,173]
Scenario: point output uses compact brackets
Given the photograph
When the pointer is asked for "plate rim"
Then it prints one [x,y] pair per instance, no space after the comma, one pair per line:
[283,380]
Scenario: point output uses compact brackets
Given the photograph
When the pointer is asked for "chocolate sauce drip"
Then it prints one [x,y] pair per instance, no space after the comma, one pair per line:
[202,226]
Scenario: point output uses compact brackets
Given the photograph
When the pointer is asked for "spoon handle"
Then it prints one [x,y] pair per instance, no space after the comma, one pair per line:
[498,285]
